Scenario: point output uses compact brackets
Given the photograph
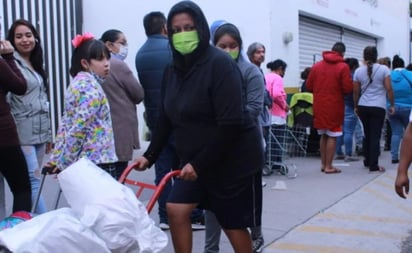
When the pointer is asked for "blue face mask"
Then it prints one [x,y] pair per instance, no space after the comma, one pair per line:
[122,53]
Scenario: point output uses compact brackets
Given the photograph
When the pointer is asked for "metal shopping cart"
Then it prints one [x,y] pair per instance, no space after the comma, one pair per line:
[285,145]
[141,186]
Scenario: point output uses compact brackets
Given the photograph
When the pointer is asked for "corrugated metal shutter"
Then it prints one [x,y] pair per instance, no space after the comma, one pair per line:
[355,43]
[314,38]
[57,22]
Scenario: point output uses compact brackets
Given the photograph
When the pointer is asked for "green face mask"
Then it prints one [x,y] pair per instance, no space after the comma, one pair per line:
[234,54]
[185,42]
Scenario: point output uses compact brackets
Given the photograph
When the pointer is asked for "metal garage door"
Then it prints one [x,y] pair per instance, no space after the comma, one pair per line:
[57,23]
[355,43]
[316,36]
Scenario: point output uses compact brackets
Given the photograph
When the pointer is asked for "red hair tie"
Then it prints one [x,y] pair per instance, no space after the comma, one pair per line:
[79,39]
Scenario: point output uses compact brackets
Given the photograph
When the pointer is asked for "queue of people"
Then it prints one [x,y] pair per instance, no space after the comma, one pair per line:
[186,70]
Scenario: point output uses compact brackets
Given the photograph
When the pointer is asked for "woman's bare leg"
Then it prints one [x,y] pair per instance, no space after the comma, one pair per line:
[180,226]
[240,240]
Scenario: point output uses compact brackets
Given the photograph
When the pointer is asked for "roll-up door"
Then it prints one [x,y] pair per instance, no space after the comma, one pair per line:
[314,38]
[317,36]
[355,43]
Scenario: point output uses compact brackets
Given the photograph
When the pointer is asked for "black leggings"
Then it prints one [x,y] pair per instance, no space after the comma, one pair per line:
[372,120]
[14,169]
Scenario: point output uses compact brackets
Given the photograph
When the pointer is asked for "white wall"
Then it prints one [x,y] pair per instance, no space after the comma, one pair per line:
[389,22]
[266,21]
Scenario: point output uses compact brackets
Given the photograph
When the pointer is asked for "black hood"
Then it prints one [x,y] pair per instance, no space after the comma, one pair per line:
[184,63]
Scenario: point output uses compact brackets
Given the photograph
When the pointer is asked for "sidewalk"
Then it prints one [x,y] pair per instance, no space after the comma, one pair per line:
[354,211]
[372,219]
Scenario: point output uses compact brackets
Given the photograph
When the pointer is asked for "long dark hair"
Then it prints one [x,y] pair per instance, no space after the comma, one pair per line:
[36,56]
[370,55]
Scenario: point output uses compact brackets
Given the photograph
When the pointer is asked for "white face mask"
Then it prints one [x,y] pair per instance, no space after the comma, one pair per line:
[122,53]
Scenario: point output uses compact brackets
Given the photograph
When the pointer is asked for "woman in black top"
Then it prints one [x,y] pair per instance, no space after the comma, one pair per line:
[218,143]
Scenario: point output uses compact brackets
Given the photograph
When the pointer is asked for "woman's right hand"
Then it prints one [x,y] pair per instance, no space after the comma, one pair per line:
[6,47]
[141,163]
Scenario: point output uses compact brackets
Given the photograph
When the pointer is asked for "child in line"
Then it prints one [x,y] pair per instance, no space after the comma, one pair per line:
[85,129]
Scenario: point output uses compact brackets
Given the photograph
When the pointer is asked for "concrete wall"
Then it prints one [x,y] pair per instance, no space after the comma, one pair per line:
[266,21]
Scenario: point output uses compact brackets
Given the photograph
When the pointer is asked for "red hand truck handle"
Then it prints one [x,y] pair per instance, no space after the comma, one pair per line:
[156,188]
[160,188]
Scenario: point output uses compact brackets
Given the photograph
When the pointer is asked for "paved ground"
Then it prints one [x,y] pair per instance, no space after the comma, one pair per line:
[355,211]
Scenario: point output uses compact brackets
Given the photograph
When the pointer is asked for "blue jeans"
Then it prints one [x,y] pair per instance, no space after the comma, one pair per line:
[166,162]
[398,121]
[349,125]
[359,134]
[212,233]
[34,156]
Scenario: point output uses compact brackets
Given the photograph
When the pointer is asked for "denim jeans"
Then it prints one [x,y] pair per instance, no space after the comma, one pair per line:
[166,162]
[359,134]
[34,156]
[398,121]
[349,125]
[212,233]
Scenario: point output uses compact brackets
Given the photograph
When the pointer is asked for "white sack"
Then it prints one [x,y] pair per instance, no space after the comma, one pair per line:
[110,209]
[54,231]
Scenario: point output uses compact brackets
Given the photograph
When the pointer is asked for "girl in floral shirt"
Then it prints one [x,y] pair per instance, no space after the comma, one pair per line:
[86,128]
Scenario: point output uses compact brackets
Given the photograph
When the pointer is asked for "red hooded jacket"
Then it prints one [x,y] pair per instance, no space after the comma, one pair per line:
[329,80]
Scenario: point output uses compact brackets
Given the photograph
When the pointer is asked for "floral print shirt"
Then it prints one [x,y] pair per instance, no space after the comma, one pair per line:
[86,127]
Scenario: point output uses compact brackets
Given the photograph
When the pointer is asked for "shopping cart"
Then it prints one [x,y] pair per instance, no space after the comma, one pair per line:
[141,186]
[286,145]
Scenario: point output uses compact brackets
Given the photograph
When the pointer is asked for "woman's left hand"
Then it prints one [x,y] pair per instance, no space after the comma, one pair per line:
[49,147]
[188,173]
[392,109]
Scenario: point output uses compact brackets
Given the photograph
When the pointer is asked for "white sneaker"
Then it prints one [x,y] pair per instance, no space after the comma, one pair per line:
[351,159]
[263,184]
[198,226]
[164,226]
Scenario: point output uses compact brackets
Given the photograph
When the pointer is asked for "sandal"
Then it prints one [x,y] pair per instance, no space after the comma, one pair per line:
[380,169]
[332,171]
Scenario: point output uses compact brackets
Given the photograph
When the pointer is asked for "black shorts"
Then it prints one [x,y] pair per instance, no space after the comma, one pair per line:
[237,205]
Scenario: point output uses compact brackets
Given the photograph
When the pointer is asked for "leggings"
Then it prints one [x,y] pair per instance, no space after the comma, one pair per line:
[14,170]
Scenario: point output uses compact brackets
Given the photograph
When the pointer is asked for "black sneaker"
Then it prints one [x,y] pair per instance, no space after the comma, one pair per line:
[257,245]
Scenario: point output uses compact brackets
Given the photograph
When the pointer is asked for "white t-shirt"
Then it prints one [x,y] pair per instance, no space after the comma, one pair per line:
[373,94]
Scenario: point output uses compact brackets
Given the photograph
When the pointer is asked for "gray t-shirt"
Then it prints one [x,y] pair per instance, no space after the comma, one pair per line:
[373,94]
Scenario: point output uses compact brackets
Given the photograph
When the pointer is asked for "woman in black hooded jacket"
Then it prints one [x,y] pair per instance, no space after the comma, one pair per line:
[218,143]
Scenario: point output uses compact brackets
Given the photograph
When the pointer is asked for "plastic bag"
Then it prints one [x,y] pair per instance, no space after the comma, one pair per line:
[110,209]
[54,231]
